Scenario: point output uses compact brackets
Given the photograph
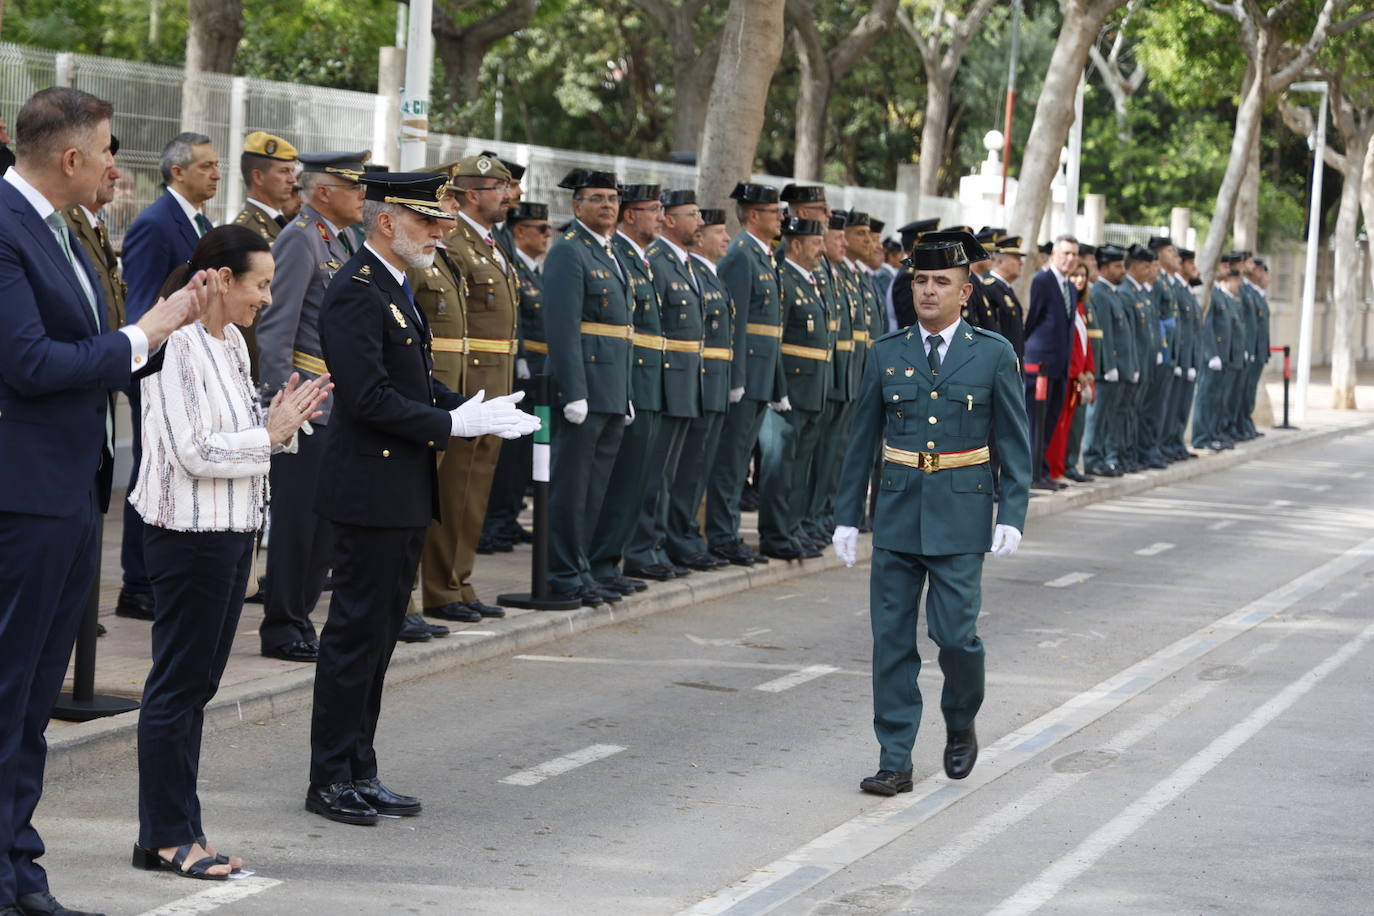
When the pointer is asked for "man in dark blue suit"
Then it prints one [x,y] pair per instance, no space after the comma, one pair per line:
[1049,326]
[161,238]
[59,363]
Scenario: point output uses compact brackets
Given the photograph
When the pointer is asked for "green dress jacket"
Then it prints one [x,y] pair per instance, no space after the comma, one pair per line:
[646,372]
[680,304]
[752,279]
[807,343]
[587,320]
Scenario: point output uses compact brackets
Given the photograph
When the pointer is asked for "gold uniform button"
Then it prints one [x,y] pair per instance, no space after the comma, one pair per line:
[896,397]
[408,341]
[930,445]
[933,421]
[935,395]
[386,453]
[430,443]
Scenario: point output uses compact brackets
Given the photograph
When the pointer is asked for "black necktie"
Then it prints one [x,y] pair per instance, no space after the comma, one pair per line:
[280,220]
[934,355]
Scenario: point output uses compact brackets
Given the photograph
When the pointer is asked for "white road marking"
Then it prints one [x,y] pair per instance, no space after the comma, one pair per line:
[559,765]
[1036,893]
[788,681]
[726,640]
[1224,523]
[1072,578]
[769,887]
[474,632]
[679,662]
[1357,475]
[214,897]
[1154,549]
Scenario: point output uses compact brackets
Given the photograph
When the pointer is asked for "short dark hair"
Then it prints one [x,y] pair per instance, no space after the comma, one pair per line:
[223,246]
[52,118]
[252,162]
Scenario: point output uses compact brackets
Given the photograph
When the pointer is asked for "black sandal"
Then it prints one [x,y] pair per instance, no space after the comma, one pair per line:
[150,860]
[220,858]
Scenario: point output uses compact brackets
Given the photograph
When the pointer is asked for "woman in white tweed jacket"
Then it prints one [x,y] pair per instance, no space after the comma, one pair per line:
[202,489]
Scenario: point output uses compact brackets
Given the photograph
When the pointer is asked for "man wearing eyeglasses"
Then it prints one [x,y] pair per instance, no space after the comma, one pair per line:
[307,253]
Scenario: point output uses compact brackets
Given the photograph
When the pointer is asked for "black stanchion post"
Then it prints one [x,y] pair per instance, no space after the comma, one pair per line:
[1287,373]
[538,597]
[83,704]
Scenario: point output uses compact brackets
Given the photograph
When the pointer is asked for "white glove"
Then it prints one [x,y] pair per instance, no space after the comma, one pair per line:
[575,412]
[522,368]
[782,406]
[1159,358]
[1252,359]
[1214,364]
[1135,378]
[630,417]
[846,541]
[1111,375]
[1178,371]
[1005,540]
[1247,356]
[497,417]
[736,395]
[1192,375]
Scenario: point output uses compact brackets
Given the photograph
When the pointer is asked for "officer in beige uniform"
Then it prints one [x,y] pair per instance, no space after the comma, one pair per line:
[268,166]
[482,187]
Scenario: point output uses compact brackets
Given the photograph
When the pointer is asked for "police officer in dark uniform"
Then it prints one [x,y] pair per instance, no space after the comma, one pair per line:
[377,484]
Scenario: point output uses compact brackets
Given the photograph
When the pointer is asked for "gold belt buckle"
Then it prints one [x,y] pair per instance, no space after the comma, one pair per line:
[928,462]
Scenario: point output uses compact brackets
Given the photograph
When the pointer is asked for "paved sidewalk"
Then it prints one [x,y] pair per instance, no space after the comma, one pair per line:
[255,689]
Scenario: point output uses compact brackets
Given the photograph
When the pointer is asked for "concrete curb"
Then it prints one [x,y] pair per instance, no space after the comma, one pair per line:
[93,745]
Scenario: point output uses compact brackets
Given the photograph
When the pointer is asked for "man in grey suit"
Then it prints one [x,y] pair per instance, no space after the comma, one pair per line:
[308,252]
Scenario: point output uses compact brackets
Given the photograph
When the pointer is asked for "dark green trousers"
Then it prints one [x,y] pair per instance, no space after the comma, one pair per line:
[726,481]
[624,486]
[1153,410]
[832,436]
[683,536]
[1207,406]
[583,456]
[1180,406]
[953,600]
[646,546]
[787,447]
[1101,442]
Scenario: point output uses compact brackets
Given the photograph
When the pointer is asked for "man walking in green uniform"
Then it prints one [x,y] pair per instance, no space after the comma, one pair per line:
[720,372]
[680,303]
[588,323]
[752,279]
[640,217]
[937,395]
[789,436]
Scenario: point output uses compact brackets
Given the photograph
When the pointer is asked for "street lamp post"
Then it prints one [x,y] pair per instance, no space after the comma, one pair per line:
[1309,279]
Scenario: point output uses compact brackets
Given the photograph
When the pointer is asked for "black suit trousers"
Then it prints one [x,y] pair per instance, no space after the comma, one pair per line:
[1053,404]
[47,570]
[199,579]
[300,545]
[374,573]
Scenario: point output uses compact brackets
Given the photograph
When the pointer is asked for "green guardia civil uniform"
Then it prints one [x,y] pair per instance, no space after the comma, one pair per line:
[1262,354]
[534,349]
[588,323]
[1189,359]
[933,525]
[679,292]
[751,278]
[1243,315]
[1147,342]
[632,471]
[846,306]
[788,441]
[1257,339]
[1115,349]
[1161,373]
[1220,339]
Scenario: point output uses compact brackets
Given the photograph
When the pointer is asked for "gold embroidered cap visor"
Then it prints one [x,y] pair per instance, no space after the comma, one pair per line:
[416,191]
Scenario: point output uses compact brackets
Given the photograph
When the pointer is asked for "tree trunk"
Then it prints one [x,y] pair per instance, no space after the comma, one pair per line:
[214,29]
[1053,117]
[813,98]
[1245,224]
[463,48]
[938,85]
[1347,282]
[692,75]
[751,46]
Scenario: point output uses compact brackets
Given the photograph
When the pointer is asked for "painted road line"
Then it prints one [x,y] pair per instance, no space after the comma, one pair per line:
[788,681]
[774,884]
[680,662]
[559,765]
[213,898]
[1036,893]
[1154,549]
[1224,523]
[1072,578]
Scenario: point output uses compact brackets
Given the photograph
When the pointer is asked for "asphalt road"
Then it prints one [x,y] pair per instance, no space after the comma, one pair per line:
[1177,721]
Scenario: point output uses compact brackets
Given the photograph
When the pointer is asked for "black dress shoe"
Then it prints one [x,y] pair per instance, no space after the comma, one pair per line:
[749,499]
[456,611]
[298,650]
[698,561]
[486,544]
[613,584]
[384,800]
[134,604]
[811,552]
[413,629]
[887,782]
[340,802]
[680,571]
[607,594]
[11,909]
[732,554]
[498,545]
[487,610]
[100,629]
[783,553]
[961,752]
[1156,464]
[41,903]
[1077,477]
[438,631]
[1044,483]
[653,571]
[590,597]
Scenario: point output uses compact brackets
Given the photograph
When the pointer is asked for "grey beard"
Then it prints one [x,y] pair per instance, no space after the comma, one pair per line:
[412,253]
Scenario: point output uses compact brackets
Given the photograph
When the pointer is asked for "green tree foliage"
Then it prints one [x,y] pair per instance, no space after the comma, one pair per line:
[110,28]
[320,42]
